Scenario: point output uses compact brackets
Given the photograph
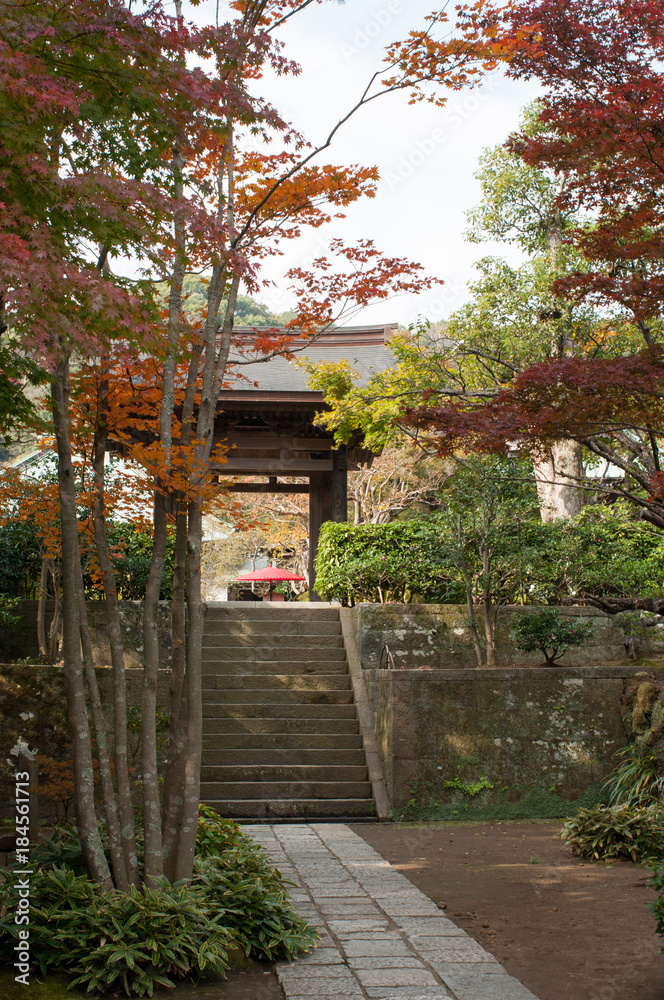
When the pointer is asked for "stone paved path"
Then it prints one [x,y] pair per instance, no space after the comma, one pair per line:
[381,938]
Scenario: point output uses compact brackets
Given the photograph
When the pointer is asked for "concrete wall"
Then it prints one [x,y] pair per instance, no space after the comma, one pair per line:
[554,730]
[19,642]
[436,637]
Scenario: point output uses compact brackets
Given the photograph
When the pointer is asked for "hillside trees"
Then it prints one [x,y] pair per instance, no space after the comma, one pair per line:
[128,137]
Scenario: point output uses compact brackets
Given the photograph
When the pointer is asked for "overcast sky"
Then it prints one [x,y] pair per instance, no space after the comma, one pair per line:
[426,156]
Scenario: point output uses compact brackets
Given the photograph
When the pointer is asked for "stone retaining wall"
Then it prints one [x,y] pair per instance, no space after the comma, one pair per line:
[436,636]
[553,730]
[19,642]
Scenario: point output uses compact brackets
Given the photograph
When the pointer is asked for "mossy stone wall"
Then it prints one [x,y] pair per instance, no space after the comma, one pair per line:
[19,642]
[436,637]
[525,730]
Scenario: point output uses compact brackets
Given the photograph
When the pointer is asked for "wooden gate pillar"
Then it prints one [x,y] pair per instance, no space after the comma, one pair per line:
[328,501]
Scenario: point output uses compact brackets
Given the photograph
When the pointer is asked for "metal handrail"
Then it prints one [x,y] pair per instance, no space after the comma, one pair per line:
[386,655]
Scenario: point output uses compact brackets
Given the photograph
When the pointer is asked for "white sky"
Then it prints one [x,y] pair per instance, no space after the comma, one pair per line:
[426,156]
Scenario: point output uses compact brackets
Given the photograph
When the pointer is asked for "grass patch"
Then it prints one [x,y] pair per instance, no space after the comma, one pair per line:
[55,989]
[535,804]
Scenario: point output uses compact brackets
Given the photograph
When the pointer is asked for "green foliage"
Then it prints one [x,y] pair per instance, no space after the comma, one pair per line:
[20,559]
[8,607]
[401,561]
[153,937]
[248,312]
[236,874]
[605,551]
[503,804]
[619,831]
[657,883]
[638,781]
[132,552]
[134,941]
[547,631]
[16,373]
[472,789]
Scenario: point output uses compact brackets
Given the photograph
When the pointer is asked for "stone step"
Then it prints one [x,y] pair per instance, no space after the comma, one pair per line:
[282,741]
[270,682]
[271,652]
[282,758]
[256,710]
[296,808]
[263,610]
[283,772]
[236,640]
[255,629]
[245,667]
[271,790]
[288,697]
[214,727]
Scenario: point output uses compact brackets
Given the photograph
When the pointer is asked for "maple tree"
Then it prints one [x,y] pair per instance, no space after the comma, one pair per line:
[127,137]
[599,128]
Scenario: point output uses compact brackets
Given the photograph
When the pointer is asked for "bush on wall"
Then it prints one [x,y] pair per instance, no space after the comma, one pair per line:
[402,561]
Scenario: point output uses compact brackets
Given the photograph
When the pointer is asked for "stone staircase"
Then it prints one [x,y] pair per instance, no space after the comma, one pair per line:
[281,737]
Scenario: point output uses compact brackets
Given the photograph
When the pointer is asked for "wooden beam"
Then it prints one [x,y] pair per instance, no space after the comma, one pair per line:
[268,488]
[274,466]
[273,442]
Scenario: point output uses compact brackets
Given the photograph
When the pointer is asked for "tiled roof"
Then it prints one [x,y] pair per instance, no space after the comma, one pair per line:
[365,348]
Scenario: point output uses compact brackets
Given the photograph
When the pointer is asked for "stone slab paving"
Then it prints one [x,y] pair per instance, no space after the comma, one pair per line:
[381,938]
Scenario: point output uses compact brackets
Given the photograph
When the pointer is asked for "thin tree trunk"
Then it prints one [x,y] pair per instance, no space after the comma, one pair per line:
[487,604]
[41,611]
[196,612]
[72,588]
[120,754]
[153,856]
[54,644]
[108,791]
[177,736]
[154,845]
[468,586]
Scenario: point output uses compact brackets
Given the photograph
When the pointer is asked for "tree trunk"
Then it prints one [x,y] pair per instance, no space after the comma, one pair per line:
[41,611]
[186,847]
[116,643]
[468,586]
[54,643]
[558,476]
[177,736]
[72,589]
[153,857]
[486,557]
[108,791]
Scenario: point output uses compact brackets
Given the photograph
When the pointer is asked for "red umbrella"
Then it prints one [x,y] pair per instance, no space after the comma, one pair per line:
[271,574]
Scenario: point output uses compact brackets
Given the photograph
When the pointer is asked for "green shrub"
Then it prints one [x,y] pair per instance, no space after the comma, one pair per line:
[548,632]
[401,561]
[235,873]
[621,831]
[133,941]
[638,780]
[142,939]
[657,883]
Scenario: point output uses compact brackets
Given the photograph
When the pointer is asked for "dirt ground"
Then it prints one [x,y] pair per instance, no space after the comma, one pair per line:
[568,929]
